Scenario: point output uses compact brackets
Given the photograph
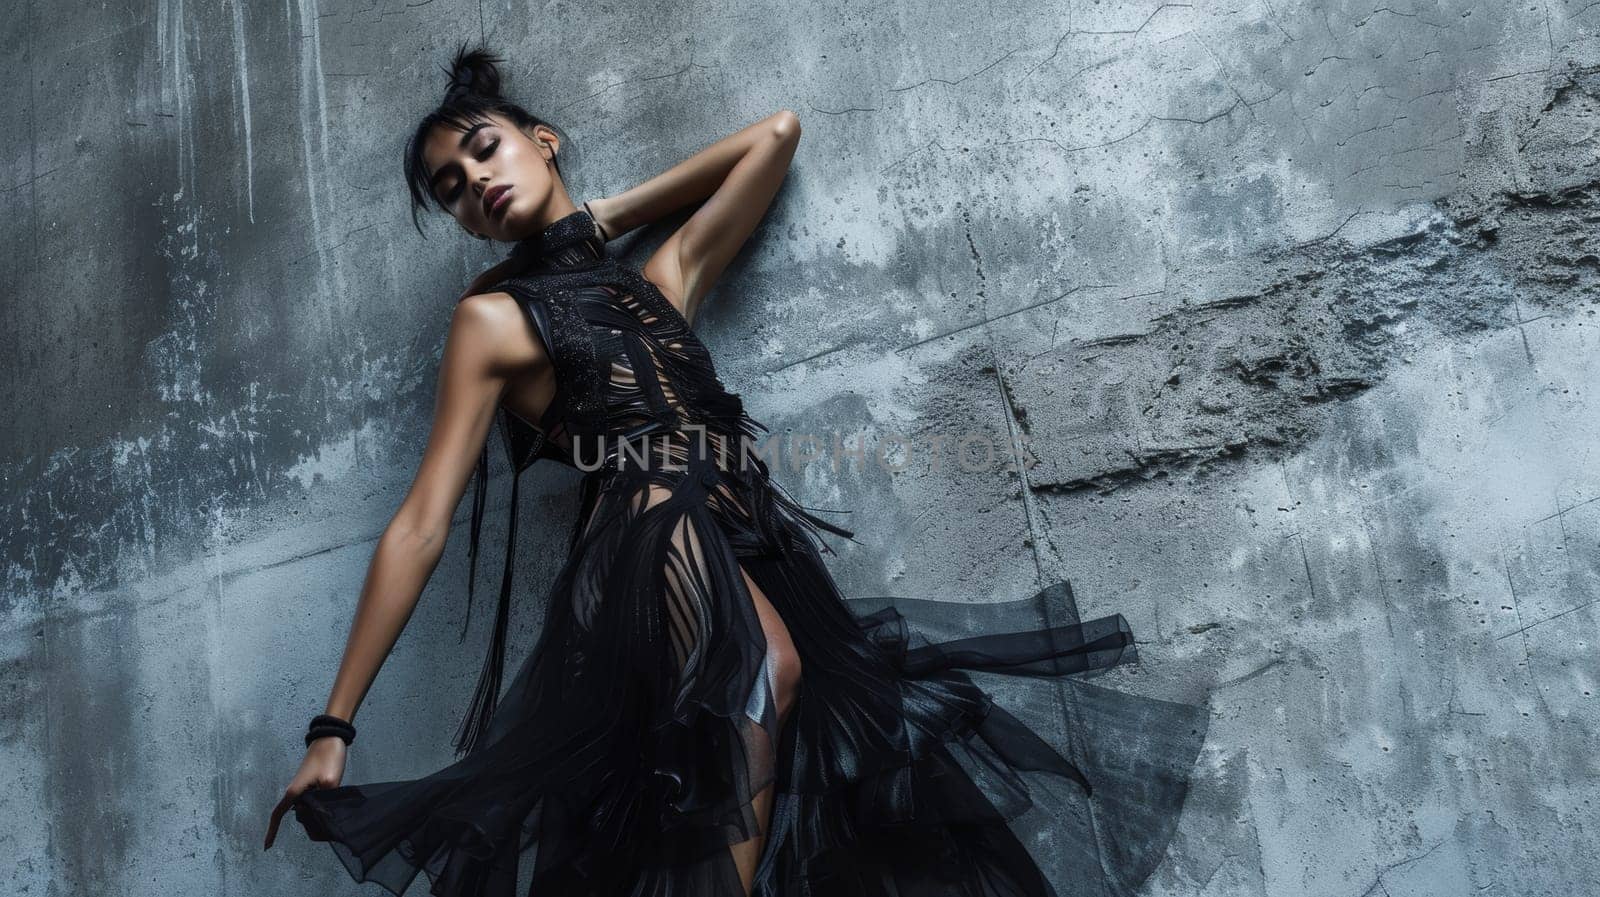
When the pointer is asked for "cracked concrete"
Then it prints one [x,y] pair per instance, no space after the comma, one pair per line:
[1292,302]
[1252,374]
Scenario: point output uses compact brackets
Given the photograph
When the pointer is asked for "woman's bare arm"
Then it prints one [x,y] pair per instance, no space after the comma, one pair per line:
[740,173]
[480,355]
[471,379]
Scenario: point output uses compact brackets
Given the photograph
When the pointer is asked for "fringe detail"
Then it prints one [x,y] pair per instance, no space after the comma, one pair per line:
[486,696]
[479,494]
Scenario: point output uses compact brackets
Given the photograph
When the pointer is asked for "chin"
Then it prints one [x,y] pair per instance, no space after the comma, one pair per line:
[518,224]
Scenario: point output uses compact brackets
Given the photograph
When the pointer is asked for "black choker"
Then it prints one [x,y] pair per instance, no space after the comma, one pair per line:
[574,228]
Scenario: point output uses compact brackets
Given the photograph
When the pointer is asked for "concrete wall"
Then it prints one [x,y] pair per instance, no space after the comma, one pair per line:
[1294,301]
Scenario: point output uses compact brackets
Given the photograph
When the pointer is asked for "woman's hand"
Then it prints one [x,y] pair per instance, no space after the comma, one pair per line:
[323,767]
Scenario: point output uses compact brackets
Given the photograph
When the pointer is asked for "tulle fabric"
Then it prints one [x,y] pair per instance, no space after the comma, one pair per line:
[624,758]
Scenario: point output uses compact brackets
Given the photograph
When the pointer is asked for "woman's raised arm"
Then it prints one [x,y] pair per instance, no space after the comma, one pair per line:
[740,173]
[480,354]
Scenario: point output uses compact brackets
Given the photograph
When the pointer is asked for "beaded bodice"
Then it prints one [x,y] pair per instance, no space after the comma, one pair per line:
[626,361]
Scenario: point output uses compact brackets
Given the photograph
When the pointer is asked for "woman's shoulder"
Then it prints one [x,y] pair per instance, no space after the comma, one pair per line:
[492,322]
[490,308]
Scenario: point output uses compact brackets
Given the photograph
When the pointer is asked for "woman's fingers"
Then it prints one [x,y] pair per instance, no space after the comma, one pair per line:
[318,770]
[289,797]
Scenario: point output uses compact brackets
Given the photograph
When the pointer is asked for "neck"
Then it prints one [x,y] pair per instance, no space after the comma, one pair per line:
[556,209]
[565,241]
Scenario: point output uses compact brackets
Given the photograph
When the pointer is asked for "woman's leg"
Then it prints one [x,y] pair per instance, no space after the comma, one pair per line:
[687,584]
[785,664]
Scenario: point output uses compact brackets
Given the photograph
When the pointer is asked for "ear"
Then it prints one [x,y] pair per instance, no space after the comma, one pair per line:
[548,141]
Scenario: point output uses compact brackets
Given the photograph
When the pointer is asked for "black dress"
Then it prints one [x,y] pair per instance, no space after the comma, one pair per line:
[624,755]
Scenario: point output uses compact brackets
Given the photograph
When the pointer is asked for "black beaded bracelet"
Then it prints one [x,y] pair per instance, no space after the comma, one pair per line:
[325,726]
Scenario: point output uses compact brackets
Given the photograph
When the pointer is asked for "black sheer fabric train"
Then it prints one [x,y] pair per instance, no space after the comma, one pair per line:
[935,747]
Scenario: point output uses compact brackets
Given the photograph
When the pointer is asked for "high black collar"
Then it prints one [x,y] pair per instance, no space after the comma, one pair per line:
[569,241]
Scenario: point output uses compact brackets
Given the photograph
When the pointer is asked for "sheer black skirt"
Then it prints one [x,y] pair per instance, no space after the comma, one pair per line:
[935,747]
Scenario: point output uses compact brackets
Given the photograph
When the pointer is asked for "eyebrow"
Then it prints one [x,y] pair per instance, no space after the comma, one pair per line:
[466,138]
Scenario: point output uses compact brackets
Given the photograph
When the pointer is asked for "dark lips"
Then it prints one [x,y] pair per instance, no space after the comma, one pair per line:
[492,200]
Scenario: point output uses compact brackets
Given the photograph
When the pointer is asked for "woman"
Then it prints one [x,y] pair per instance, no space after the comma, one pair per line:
[703,713]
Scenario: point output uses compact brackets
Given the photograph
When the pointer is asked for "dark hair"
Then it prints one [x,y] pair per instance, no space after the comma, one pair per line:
[473,93]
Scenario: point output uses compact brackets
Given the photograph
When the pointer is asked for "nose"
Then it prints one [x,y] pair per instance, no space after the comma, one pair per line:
[477,175]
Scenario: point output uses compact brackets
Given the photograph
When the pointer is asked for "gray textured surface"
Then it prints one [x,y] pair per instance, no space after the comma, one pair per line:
[1295,302]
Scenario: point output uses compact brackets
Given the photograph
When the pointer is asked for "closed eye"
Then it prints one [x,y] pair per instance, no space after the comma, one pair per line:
[482,155]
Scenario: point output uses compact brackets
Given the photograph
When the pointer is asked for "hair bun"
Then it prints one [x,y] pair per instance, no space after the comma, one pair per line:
[474,72]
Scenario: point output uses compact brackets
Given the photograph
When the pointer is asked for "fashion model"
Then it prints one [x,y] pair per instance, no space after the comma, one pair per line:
[703,713]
